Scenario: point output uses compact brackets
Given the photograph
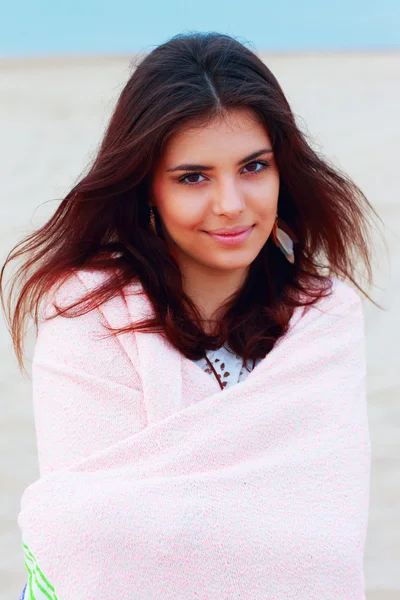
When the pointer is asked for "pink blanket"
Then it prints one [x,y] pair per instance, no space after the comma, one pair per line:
[157,485]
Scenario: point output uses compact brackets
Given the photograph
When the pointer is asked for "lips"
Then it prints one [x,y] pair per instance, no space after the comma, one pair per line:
[232,239]
[230,230]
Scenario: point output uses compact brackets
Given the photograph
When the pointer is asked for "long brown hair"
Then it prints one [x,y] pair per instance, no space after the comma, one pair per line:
[103,222]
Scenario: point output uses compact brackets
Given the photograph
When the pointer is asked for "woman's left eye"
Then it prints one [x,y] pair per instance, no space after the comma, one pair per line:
[264,165]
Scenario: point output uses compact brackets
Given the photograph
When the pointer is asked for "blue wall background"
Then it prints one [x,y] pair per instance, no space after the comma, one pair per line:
[42,27]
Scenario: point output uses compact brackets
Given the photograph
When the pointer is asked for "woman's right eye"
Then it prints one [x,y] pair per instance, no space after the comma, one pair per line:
[182,179]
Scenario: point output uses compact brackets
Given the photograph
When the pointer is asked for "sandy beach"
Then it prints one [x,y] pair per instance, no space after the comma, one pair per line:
[52,117]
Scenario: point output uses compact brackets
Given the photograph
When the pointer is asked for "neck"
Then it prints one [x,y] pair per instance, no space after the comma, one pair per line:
[209,288]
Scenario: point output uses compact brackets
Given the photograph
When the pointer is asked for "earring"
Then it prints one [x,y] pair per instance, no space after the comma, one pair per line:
[154,228]
[284,238]
[152,220]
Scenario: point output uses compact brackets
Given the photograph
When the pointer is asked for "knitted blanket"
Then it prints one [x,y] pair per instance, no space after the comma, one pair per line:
[255,492]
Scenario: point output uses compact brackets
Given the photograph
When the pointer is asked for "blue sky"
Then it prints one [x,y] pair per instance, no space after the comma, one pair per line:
[43,27]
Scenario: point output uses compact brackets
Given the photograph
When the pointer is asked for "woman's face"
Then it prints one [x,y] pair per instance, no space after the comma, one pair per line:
[223,188]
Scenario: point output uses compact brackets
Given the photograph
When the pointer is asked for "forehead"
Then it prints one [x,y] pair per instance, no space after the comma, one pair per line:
[238,132]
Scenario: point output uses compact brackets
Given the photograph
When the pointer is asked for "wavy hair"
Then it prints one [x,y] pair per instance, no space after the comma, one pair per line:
[103,223]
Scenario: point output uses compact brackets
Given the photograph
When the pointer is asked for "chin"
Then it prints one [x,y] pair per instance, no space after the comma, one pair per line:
[231,264]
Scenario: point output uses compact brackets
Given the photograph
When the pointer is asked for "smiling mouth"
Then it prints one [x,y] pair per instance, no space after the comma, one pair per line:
[229,239]
[230,231]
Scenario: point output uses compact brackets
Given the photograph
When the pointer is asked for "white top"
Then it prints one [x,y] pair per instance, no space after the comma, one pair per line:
[228,366]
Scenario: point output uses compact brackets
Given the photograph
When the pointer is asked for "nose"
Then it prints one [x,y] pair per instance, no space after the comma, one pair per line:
[228,200]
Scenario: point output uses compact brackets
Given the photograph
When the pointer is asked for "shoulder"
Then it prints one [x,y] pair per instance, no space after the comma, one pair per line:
[343,292]
[68,289]
[85,329]
[338,294]
[77,285]
[341,310]
[339,300]
[343,298]
[77,281]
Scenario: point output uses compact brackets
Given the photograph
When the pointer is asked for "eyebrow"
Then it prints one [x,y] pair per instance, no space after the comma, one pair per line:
[191,167]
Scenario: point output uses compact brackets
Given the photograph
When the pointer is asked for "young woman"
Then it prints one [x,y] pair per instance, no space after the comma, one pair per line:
[215,444]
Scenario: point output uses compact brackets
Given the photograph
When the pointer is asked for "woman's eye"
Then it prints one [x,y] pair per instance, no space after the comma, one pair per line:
[264,165]
[182,180]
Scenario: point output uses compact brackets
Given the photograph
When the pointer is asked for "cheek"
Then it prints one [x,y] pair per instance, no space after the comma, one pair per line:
[262,195]
[264,209]
[183,215]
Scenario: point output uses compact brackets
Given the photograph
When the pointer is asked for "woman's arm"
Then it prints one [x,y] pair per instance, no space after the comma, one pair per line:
[86,391]
[86,395]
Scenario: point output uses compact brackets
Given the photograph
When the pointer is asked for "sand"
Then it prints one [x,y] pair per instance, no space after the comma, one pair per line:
[52,116]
